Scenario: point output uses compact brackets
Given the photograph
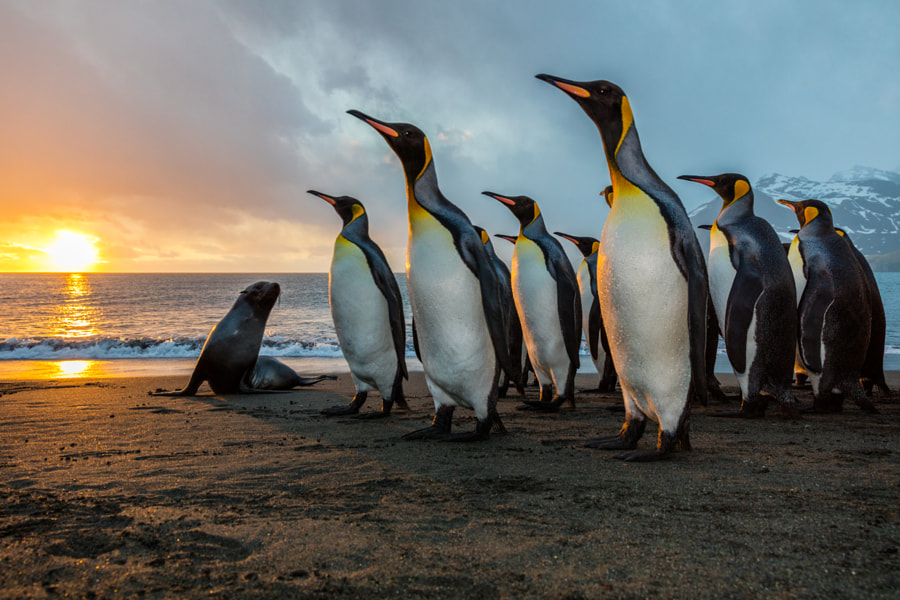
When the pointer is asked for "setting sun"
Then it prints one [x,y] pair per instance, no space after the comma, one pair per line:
[72,252]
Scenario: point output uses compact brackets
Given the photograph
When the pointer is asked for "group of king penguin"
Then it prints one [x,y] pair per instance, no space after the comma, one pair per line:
[648,304]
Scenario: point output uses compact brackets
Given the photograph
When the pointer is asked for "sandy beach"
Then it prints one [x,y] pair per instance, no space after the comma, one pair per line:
[108,493]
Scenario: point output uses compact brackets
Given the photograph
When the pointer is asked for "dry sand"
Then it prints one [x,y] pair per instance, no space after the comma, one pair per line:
[110,493]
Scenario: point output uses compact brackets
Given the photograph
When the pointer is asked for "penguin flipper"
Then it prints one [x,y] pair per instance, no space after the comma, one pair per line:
[694,270]
[387,285]
[745,292]
[595,324]
[478,261]
[415,335]
[570,315]
[814,303]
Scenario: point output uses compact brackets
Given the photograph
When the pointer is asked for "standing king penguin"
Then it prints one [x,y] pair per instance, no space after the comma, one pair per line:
[545,291]
[872,373]
[591,317]
[453,291]
[367,310]
[834,310]
[651,281]
[752,289]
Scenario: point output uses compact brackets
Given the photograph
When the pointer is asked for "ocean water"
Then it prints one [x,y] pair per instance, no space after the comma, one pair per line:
[71,325]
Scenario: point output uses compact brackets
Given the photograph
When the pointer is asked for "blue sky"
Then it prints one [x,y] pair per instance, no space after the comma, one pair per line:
[183,136]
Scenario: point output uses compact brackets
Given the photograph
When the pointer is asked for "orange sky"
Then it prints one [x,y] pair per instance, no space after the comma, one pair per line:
[183,136]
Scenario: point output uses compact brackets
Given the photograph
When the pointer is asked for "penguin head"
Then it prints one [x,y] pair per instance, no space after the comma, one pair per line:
[509,238]
[485,239]
[604,102]
[347,208]
[808,211]
[407,141]
[524,208]
[607,194]
[584,244]
[729,186]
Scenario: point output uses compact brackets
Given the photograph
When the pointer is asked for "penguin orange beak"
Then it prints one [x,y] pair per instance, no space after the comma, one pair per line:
[798,209]
[329,199]
[698,179]
[380,126]
[572,88]
[566,236]
[509,238]
[503,199]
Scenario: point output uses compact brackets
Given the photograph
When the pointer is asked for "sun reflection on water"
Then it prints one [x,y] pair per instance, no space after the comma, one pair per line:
[75,368]
[75,318]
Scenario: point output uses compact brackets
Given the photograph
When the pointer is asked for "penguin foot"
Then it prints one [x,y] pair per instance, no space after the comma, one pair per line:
[470,436]
[736,414]
[626,439]
[348,409]
[539,406]
[646,455]
[613,442]
[439,429]
[371,416]
[338,411]
[428,433]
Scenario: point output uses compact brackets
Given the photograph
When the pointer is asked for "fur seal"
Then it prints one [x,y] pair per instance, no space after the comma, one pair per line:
[232,348]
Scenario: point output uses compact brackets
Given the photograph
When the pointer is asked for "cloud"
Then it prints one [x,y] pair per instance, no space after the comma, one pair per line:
[186,134]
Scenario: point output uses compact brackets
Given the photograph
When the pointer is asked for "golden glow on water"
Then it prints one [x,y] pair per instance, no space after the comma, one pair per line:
[72,252]
[75,318]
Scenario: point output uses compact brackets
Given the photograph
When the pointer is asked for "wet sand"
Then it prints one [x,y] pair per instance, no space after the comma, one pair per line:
[108,492]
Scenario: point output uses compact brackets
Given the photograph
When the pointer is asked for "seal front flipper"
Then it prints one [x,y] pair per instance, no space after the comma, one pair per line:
[189,390]
[745,292]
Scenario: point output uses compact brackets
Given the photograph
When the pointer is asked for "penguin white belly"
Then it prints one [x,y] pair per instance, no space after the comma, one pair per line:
[721,274]
[644,299]
[587,299]
[457,353]
[534,291]
[796,262]
[361,321]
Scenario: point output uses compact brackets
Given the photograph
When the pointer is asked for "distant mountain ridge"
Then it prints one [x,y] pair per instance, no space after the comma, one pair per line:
[865,202]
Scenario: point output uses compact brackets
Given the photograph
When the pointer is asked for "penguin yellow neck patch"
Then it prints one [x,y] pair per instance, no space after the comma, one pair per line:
[537,213]
[427,158]
[809,213]
[484,237]
[357,212]
[627,121]
[741,188]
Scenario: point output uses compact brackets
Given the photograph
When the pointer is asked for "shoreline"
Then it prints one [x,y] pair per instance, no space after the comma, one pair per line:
[110,492]
[76,369]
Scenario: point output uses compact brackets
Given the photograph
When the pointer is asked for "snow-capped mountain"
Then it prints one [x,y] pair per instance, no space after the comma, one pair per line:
[865,202]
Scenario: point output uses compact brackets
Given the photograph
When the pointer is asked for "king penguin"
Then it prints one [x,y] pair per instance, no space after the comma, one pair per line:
[367,310]
[872,373]
[510,318]
[834,325]
[752,289]
[545,291]
[453,292]
[651,281]
[591,317]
